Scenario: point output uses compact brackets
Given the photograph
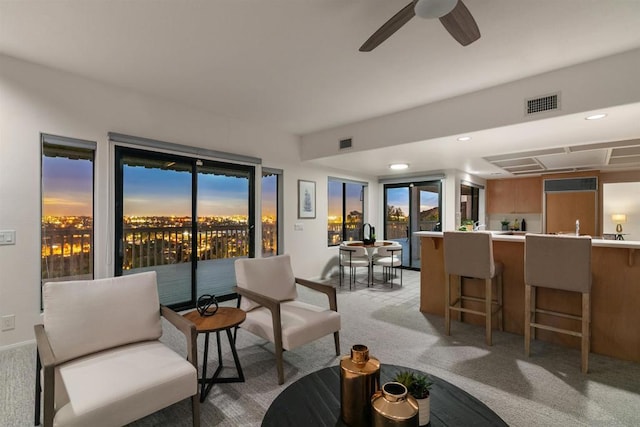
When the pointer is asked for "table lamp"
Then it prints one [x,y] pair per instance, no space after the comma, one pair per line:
[619,219]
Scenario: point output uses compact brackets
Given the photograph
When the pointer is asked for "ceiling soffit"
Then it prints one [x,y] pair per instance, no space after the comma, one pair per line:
[602,155]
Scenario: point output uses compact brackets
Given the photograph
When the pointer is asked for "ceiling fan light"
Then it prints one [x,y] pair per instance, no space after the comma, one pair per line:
[430,9]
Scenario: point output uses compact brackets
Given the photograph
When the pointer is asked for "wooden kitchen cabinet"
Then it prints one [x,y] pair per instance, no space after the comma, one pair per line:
[519,195]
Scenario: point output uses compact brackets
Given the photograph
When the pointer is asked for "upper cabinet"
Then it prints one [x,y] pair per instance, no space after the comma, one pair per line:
[519,195]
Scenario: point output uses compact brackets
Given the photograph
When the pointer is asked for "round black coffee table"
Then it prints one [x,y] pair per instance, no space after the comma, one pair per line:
[314,400]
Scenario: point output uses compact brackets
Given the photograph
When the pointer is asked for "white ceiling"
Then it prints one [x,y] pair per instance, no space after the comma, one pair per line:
[295,65]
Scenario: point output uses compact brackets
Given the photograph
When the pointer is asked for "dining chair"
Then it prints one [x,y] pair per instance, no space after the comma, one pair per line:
[390,258]
[354,257]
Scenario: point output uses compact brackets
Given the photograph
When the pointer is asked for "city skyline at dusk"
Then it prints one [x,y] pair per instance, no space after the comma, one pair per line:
[67,186]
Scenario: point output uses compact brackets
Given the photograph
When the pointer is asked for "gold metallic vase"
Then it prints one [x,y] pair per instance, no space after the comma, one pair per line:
[394,406]
[359,380]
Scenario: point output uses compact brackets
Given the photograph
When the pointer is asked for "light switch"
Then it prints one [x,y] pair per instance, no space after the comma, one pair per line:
[298,227]
[7,237]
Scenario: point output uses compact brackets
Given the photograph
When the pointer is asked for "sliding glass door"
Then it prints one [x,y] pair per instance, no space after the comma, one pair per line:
[183,218]
[225,231]
[411,207]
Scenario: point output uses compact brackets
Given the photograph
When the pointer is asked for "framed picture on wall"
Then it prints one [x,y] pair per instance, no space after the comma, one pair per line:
[306,199]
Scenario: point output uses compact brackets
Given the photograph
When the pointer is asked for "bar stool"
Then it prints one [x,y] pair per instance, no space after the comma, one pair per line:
[470,255]
[558,262]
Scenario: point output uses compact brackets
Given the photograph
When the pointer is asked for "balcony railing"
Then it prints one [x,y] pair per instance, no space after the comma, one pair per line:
[146,247]
[68,253]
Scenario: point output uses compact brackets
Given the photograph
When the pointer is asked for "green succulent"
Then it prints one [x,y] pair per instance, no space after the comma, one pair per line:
[405,378]
[418,385]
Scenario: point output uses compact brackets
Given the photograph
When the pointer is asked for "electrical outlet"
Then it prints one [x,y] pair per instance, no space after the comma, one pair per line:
[8,322]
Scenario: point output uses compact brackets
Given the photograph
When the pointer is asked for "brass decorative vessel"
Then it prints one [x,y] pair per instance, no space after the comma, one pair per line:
[359,380]
[394,406]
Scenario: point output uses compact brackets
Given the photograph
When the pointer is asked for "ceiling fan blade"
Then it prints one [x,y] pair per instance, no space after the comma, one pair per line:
[389,27]
[461,24]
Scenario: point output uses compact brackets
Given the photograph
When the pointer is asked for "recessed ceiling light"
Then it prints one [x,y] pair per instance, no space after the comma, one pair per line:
[398,166]
[464,138]
[596,116]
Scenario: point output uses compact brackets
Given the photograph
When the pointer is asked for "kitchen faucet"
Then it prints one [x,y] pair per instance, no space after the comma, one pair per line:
[477,226]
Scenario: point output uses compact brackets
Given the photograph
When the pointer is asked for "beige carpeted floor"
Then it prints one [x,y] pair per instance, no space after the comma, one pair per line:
[544,390]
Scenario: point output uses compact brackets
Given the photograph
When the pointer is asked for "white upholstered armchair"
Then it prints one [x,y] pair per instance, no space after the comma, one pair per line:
[267,292]
[102,363]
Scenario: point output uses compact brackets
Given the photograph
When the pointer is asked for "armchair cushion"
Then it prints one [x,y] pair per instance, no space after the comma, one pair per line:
[301,323]
[105,387]
[271,276]
[86,316]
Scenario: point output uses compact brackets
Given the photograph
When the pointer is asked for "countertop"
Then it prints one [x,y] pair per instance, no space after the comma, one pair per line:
[503,236]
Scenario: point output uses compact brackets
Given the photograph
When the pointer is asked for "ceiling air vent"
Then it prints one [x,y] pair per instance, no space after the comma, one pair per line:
[542,103]
[345,143]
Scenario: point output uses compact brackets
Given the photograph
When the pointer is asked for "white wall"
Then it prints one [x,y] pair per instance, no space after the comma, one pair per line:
[585,87]
[35,99]
[622,198]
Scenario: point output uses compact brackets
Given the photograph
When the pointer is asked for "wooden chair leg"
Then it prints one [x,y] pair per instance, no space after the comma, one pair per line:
[195,409]
[279,365]
[586,331]
[459,282]
[532,316]
[488,301]
[336,339]
[527,319]
[500,304]
[447,304]
[277,341]
[38,390]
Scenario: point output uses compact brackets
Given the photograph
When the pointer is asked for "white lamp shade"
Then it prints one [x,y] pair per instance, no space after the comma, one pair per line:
[430,9]
[619,218]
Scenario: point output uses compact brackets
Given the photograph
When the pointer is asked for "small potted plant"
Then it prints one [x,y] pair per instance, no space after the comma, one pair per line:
[505,224]
[418,386]
[468,224]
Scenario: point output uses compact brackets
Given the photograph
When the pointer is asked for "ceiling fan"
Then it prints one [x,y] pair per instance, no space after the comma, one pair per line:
[453,14]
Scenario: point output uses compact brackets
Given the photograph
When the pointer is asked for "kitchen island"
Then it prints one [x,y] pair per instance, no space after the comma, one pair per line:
[615,293]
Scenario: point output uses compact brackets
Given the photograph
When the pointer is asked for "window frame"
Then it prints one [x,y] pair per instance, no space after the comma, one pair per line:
[68,143]
[344,183]
[279,174]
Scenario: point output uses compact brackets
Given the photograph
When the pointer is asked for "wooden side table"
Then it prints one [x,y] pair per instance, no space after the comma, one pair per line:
[224,319]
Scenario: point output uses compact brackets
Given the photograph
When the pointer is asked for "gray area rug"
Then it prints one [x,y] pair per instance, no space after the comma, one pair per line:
[546,389]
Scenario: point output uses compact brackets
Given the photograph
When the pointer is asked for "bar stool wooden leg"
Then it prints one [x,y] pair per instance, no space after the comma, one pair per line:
[527,319]
[499,299]
[459,282]
[532,316]
[488,299]
[586,336]
[447,304]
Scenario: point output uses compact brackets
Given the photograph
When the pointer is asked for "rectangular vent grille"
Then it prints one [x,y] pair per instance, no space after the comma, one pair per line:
[571,184]
[543,103]
[345,143]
